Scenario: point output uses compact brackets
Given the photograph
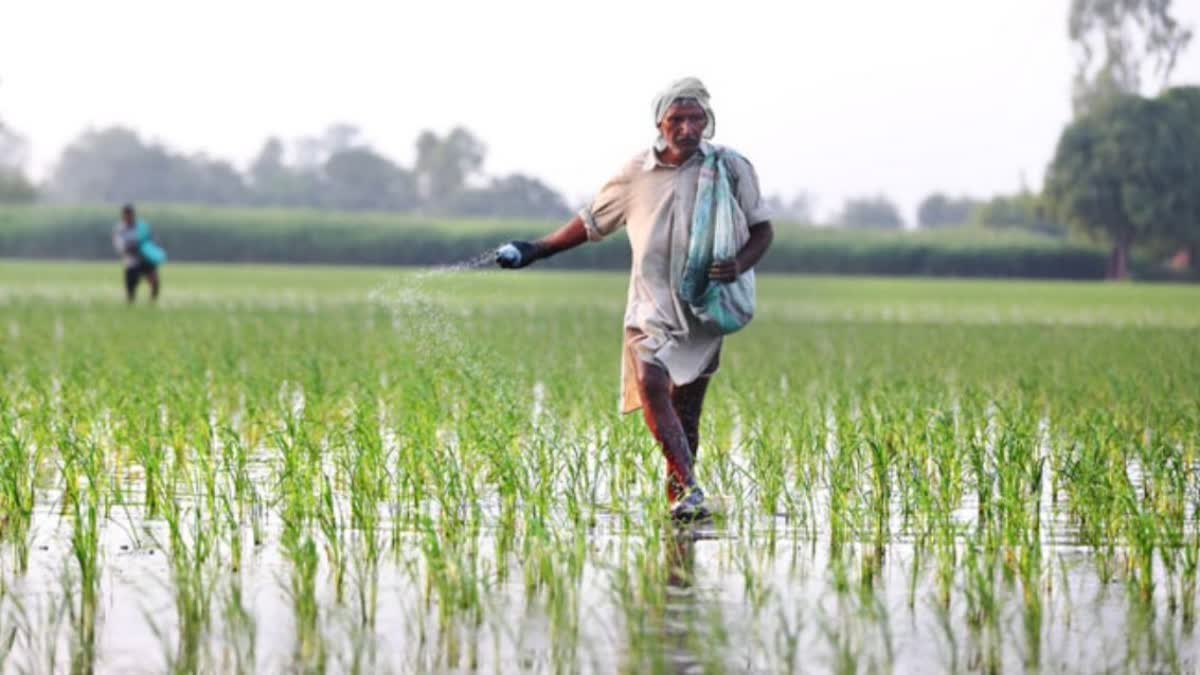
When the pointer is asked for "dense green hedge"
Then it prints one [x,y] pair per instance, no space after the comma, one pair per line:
[298,236]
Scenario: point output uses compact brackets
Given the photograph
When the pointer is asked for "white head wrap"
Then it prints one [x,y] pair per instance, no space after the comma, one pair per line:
[687,88]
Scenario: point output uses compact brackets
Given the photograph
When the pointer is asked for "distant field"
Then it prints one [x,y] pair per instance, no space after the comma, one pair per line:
[818,297]
[321,469]
[209,234]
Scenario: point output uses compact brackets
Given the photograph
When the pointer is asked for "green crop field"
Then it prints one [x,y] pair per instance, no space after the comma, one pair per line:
[261,235]
[283,469]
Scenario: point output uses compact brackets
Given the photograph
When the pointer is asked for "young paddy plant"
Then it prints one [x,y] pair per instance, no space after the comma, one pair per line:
[239,495]
[86,552]
[844,460]
[332,527]
[983,607]
[83,473]
[193,545]
[310,652]
[235,612]
[456,581]
[20,459]
[1190,561]
[144,434]
[299,507]
[368,491]
[1161,506]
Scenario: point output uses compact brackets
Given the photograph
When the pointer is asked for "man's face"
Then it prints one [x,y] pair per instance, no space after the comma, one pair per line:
[683,126]
[127,217]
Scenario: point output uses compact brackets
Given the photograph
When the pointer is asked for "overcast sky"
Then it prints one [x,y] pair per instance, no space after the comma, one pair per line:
[834,98]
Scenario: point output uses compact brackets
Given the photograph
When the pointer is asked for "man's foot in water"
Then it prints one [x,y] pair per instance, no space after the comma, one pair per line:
[691,506]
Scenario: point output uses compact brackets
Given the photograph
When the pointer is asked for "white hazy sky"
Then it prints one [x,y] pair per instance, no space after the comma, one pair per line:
[834,98]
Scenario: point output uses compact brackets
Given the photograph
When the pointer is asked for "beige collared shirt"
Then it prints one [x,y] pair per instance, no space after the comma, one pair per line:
[654,202]
[123,237]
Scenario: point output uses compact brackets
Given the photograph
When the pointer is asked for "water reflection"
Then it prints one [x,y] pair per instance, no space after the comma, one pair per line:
[682,626]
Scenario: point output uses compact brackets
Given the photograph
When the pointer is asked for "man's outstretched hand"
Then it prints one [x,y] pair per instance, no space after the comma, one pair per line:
[725,271]
[516,254]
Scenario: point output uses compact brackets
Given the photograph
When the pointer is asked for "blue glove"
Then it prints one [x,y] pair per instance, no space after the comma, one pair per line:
[516,254]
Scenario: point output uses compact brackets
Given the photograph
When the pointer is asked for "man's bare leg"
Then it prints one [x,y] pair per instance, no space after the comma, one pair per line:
[659,410]
[688,401]
[152,277]
[130,286]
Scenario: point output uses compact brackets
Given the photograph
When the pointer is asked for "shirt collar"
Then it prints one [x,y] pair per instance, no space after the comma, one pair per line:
[652,161]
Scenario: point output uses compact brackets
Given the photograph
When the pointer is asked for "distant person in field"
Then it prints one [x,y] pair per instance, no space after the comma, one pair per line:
[140,255]
[670,354]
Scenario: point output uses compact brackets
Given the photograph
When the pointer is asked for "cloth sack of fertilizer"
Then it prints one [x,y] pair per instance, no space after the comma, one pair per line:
[150,251]
[719,230]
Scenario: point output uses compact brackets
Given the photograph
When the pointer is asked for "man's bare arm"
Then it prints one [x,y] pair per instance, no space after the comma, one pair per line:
[566,237]
[761,236]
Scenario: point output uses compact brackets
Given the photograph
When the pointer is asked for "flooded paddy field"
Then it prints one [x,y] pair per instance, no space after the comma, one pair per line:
[333,470]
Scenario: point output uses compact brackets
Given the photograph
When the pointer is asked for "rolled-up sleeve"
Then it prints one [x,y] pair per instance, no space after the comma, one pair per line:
[749,195]
[606,213]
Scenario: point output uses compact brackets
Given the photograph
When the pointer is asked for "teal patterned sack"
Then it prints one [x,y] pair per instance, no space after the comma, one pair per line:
[150,251]
[718,230]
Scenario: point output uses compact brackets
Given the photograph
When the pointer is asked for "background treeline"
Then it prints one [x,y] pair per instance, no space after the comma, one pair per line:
[192,233]
[1125,173]
[333,170]
[337,169]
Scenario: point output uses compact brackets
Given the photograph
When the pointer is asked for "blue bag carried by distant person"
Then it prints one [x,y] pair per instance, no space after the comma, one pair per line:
[150,251]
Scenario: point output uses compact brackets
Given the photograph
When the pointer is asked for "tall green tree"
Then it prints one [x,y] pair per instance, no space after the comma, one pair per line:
[1123,173]
[310,152]
[14,148]
[1183,204]
[1023,210]
[444,164]
[937,210]
[513,196]
[798,210]
[15,186]
[1116,40]
[360,179]
[872,213]
[273,182]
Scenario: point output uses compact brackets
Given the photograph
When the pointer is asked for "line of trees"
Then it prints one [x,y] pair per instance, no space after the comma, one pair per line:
[338,170]
[1126,170]
[333,170]
[1022,210]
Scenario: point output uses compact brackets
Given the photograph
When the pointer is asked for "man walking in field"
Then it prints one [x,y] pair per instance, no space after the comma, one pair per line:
[140,255]
[670,354]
